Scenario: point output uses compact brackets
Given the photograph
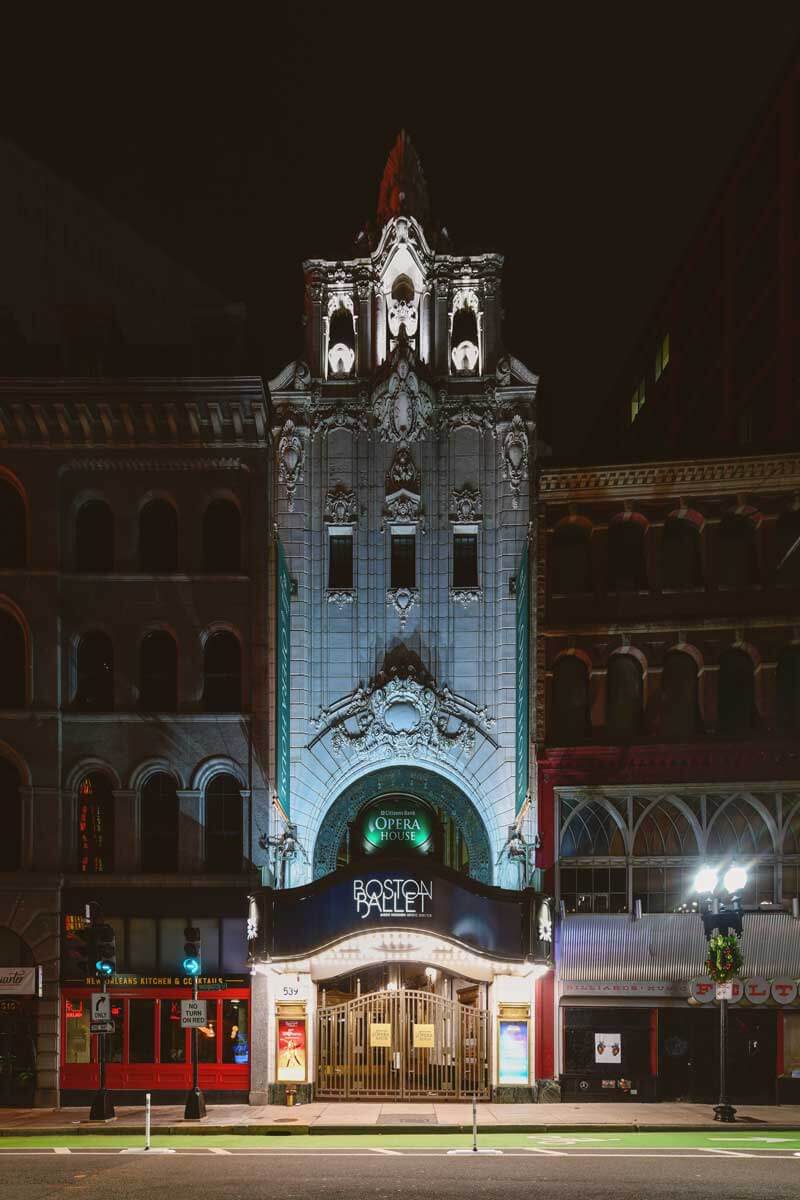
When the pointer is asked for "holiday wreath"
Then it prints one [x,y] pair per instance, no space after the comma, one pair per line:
[724,957]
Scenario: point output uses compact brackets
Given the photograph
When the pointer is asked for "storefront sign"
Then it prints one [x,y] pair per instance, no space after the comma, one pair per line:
[513,1057]
[393,897]
[424,1036]
[291,1050]
[193,1014]
[623,987]
[18,981]
[396,824]
[756,990]
[784,991]
[702,989]
[380,1034]
[608,1048]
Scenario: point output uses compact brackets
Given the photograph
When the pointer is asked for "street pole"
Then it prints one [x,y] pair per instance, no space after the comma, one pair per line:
[195,1108]
[102,1105]
[723,1111]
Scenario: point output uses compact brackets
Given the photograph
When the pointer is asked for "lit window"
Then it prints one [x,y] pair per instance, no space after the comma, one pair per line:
[637,399]
[662,357]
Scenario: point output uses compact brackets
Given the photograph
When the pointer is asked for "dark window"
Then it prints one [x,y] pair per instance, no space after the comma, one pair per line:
[222,673]
[158,672]
[12,662]
[340,561]
[94,537]
[736,552]
[159,824]
[224,824]
[680,555]
[571,560]
[95,671]
[404,564]
[662,889]
[625,690]
[626,570]
[142,1031]
[570,722]
[594,889]
[465,560]
[12,526]
[789,689]
[787,538]
[158,537]
[679,706]
[11,808]
[95,824]
[736,693]
[173,1038]
[222,536]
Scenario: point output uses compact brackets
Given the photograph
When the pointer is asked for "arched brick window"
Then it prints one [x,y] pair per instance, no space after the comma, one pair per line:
[158,537]
[222,673]
[158,672]
[224,825]
[736,693]
[570,560]
[736,552]
[12,526]
[680,555]
[11,809]
[94,537]
[95,824]
[222,536]
[789,689]
[159,824]
[626,567]
[625,697]
[95,673]
[12,662]
[680,711]
[570,721]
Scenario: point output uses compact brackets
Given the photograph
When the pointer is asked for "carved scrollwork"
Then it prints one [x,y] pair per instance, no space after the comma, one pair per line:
[340,597]
[403,505]
[466,504]
[402,403]
[403,469]
[323,421]
[341,507]
[465,596]
[515,457]
[402,600]
[291,457]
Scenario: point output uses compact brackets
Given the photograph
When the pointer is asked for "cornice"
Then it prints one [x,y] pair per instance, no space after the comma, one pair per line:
[676,478]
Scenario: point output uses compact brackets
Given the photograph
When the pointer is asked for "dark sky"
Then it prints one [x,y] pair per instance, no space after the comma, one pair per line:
[584,141]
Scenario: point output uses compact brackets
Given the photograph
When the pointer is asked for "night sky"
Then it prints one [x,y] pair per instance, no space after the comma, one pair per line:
[584,141]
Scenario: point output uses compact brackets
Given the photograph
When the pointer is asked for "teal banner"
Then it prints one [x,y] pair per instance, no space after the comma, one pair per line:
[283,588]
[523,675]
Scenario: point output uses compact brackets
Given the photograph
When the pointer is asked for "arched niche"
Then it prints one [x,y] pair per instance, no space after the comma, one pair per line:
[410,781]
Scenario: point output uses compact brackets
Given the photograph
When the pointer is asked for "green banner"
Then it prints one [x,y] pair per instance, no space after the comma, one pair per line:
[523,672]
[283,588]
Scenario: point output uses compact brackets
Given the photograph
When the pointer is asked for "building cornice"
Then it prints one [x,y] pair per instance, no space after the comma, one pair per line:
[667,479]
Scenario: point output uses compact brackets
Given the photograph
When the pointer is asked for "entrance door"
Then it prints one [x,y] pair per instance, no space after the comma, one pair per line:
[404,1043]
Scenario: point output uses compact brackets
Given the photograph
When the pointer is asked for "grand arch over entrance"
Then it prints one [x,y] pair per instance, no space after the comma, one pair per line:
[406,780]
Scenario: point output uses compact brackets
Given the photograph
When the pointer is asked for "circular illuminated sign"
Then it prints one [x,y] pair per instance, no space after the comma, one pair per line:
[396,824]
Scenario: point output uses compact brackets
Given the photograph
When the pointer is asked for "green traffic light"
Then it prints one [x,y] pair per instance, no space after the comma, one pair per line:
[191,966]
[104,968]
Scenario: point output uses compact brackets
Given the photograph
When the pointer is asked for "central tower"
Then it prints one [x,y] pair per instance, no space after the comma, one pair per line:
[404,444]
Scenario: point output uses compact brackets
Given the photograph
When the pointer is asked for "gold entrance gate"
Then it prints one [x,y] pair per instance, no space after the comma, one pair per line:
[402,1044]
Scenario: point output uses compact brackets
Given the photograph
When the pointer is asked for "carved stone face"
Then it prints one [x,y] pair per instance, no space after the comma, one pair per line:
[402,312]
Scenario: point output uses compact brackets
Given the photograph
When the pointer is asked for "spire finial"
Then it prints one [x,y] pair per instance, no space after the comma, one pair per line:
[403,190]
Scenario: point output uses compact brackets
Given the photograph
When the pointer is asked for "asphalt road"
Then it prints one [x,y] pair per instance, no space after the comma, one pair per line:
[306,1175]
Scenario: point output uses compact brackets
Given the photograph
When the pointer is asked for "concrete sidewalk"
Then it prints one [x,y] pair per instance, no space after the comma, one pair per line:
[326,1117]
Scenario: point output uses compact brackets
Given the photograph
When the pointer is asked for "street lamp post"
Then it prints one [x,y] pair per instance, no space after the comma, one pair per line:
[722,918]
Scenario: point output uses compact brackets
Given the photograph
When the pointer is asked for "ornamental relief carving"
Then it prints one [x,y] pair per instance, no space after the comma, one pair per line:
[341,507]
[402,404]
[515,457]
[340,597]
[291,457]
[403,600]
[466,504]
[466,596]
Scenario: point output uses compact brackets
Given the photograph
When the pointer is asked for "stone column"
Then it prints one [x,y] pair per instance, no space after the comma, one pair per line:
[441,342]
[190,832]
[259,1038]
[127,843]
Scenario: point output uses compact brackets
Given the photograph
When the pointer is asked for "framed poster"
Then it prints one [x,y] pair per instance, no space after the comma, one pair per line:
[291,1066]
[424,1036]
[380,1034]
[608,1048]
[513,1055]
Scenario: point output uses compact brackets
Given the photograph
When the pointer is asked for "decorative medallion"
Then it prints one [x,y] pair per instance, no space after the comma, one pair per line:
[402,403]
[466,504]
[402,601]
[403,469]
[340,507]
[515,457]
[291,457]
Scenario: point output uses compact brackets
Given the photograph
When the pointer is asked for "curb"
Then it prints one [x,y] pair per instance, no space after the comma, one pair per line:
[191,1129]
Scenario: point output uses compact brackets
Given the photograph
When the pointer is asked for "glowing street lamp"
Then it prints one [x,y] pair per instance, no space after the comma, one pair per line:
[706,881]
[735,879]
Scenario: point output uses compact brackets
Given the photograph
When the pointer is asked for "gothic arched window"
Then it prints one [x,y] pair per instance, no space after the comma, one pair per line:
[159,824]
[158,672]
[224,826]
[626,567]
[625,697]
[158,537]
[222,536]
[12,526]
[11,809]
[222,673]
[570,721]
[681,567]
[12,662]
[736,552]
[95,824]
[571,560]
[94,537]
[680,711]
[736,693]
[789,689]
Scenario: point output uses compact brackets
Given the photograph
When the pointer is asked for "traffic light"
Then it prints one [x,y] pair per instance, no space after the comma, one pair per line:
[192,962]
[78,948]
[105,949]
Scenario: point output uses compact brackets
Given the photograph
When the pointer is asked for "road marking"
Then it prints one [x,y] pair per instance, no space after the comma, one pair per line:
[539,1150]
[61,1150]
[218,1150]
[727,1153]
[383,1150]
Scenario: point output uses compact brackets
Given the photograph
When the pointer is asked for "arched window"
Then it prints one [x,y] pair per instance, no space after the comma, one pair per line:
[222,535]
[789,689]
[464,345]
[95,824]
[11,808]
[680,711]
[787,546]
[736,552]
[626,569]
[158,537]
[341,336]
[590,831]
[736,693]
[159,824]
[680,555]
[625,693]
[158,672]
[95,672]
[94,537]
[224,824]
[222,673]
[12,526]
[12,662]
[571,560]
[570,720]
